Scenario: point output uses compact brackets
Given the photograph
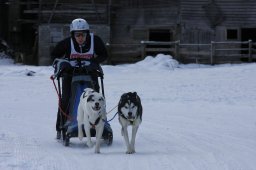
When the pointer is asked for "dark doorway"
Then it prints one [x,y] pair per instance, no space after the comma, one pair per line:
[28,43]
[247,34]
[3,20]
[162,35]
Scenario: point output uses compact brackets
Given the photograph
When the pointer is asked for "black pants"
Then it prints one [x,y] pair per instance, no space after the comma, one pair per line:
[65,99]
[64,103]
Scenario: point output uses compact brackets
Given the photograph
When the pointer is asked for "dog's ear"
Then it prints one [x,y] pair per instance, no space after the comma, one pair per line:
[137,97]
[138,102]
[121,102]
[140,109]
[123,96]
[84,95]
[133,97]
[87,90]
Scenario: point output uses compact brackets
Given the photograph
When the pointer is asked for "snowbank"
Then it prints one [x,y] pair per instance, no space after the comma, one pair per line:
[5,59]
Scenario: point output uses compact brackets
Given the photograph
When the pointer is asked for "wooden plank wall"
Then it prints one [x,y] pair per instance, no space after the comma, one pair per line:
[134,19]
[234,13]
[209,20]
[239,12]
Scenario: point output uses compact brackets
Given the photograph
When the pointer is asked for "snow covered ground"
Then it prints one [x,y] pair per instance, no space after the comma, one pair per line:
[196,117]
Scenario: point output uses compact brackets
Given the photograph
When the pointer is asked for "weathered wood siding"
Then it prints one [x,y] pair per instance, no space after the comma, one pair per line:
[238,12]
[203,21]
[125,23]
[233,13]
[214,17]
[132,23]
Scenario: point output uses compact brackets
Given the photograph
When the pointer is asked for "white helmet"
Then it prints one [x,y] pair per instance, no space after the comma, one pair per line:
[79,24]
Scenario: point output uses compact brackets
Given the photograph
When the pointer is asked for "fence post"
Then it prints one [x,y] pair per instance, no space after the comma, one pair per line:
[212,52]
[143,49]
[109,60]
[177,50]
[250,50]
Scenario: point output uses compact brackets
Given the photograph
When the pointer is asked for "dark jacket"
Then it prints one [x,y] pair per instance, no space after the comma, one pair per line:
[63,49]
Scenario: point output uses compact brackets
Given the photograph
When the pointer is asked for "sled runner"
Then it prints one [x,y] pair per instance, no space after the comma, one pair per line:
[84,75]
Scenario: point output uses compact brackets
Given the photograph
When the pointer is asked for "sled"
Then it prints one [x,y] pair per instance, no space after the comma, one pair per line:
[82,77]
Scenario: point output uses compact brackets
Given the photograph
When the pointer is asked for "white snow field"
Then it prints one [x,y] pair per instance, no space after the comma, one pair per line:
[196,117]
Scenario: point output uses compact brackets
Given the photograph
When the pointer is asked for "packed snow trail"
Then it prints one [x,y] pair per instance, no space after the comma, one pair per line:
[196,118]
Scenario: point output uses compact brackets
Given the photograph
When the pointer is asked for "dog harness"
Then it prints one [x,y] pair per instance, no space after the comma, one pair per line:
[131,121]
[95,123]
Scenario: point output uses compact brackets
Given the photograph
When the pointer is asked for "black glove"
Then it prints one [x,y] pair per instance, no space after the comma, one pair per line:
[60,65]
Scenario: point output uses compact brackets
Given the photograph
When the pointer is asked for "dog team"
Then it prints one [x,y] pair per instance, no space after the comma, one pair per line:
[91,113]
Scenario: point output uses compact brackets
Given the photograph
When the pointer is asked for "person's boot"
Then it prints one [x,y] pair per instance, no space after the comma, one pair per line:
[58,136]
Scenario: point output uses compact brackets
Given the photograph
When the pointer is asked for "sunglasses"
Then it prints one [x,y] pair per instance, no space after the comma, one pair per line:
[78,34]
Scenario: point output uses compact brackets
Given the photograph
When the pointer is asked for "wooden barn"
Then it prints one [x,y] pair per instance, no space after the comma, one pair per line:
[207,31]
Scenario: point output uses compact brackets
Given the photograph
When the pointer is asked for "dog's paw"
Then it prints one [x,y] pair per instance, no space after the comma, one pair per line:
[89,144]
[130,151]
[80,137]
[97,151]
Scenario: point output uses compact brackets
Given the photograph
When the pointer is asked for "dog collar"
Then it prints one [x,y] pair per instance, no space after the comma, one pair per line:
[96,122]
[131,121]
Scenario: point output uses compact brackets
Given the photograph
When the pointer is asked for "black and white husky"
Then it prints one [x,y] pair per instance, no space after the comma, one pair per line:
[130,114]
[92,113]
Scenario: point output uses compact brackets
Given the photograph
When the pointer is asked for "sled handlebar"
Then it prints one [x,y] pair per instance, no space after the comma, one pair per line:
[72,67]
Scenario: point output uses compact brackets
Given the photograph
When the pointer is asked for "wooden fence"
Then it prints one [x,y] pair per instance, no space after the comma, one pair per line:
[214,52]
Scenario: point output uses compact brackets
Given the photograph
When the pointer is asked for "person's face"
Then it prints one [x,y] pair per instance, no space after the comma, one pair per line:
[80,37]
